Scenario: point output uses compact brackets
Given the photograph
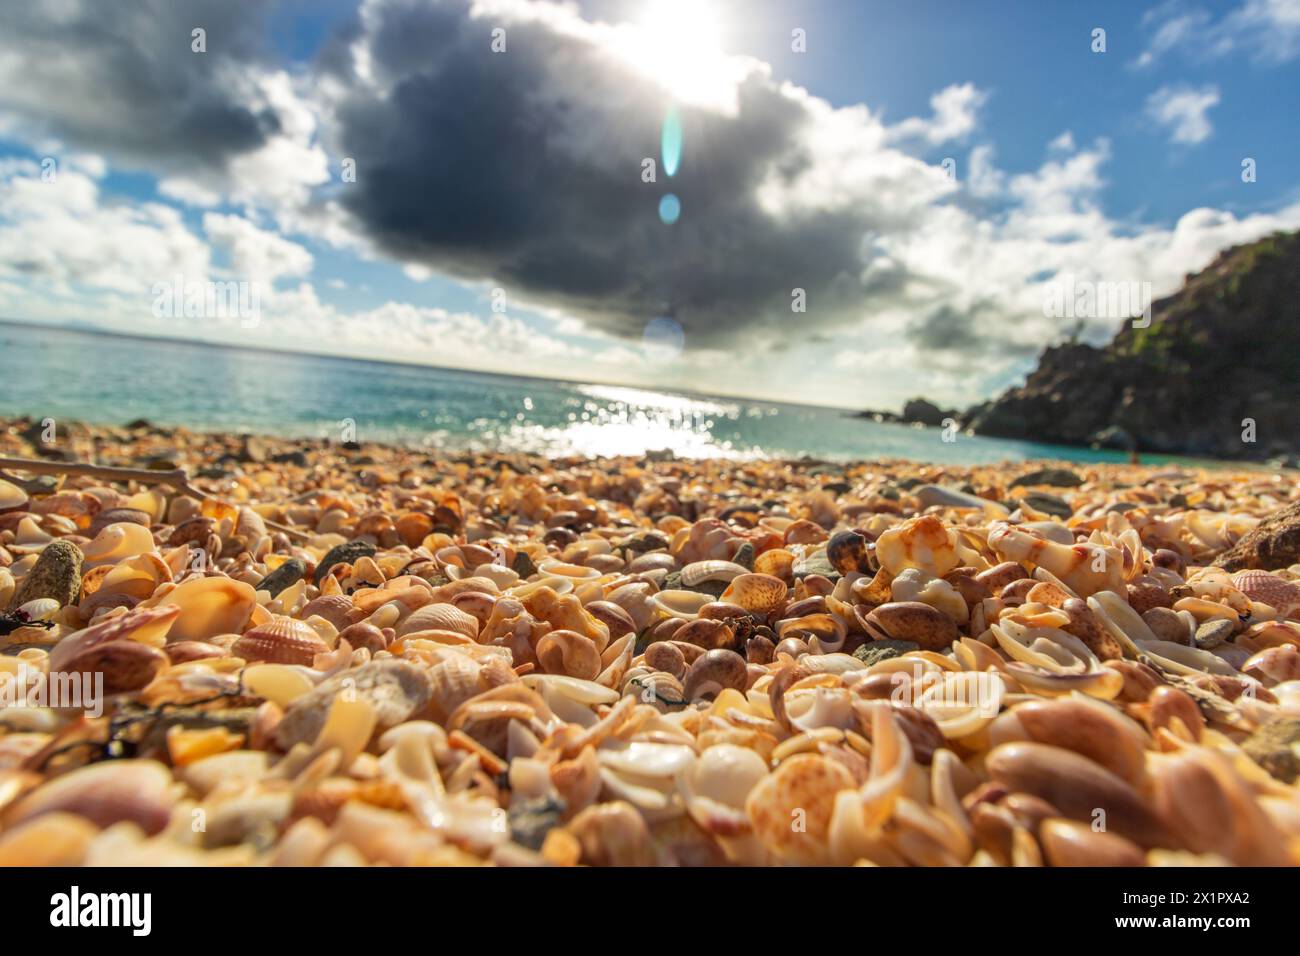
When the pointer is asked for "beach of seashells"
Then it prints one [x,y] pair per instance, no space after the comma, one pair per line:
[321,656]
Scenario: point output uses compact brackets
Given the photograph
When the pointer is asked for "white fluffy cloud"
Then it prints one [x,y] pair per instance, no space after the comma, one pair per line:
[1184,112]
[1266,30]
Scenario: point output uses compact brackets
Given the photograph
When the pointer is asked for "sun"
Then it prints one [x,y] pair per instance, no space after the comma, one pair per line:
[679,45]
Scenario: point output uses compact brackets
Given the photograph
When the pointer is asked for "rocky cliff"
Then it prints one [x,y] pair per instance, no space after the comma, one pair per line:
[1222,351]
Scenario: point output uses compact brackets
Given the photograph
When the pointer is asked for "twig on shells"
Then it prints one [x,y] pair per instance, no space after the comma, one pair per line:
[177,478]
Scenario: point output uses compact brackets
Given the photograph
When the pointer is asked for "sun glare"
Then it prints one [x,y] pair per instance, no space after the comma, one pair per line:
[678,44]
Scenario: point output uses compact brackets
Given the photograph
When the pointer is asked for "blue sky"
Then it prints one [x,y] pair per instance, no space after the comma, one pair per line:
[500,220]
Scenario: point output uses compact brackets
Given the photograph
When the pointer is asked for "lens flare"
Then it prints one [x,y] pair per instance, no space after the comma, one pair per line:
[670,208]
[672,141]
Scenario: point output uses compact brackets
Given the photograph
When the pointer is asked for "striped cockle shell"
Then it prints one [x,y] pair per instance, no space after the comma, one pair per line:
[281,640]
[439,617]
[1268,589]
[335,608]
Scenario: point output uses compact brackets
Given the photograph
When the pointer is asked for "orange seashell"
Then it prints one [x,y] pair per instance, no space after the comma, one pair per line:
[756,593]
[104,793]
[55,839]
[281,640]
[413,527]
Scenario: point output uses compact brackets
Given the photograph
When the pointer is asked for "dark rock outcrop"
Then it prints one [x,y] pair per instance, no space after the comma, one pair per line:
[1214,373]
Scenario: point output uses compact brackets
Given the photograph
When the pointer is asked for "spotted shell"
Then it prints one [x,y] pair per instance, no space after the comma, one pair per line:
[758,593]
[281,640]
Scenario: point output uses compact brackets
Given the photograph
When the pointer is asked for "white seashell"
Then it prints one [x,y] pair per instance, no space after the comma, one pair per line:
[644,794]
[645,759]
[962,703]
[698,572]
[42,609]
[581,691]
[821,707]
[682,604]
[1181,659]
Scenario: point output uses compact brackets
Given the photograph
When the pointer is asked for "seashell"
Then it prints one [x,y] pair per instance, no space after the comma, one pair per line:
[645,759]
[281,640]
[1078,787]
[705,633]
[909,621]
[1097,731]
[1067,843]
[713,672]
[455,680]
[803,790]
[396,689]
[962,703]
[413,527]
[116,542]
[922,542]
[1212,809]
[716,786]
[1181,659]
[442,617]
[1268,589]
[280,683]
[208,607]
[581,691]
[143,625]
[848,553]
[334,608]
[125,665]
[776,562]
[568,652]
[761,594]
[613,834]
[613,617]
[1086,568]
[138,791]
[679,604]
[11,496]
[1274,665]
[53,839]
[699,572]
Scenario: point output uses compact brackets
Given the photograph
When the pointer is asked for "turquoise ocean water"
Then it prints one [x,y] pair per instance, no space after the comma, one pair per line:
[107,379]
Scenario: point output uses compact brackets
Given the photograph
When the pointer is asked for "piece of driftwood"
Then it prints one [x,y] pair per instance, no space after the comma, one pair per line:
[177,478]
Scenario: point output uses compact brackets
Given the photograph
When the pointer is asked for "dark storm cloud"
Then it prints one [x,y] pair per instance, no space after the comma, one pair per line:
[524,167]
[122,79]
[948,328]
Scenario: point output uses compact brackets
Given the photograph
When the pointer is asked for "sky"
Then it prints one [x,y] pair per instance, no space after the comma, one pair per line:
[871,200]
